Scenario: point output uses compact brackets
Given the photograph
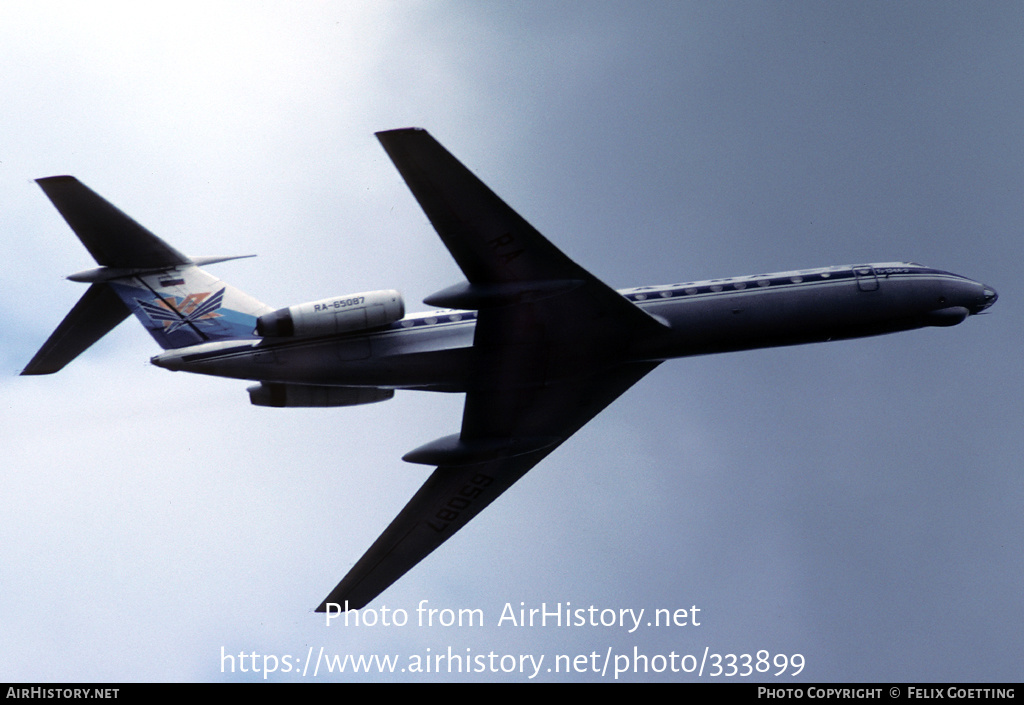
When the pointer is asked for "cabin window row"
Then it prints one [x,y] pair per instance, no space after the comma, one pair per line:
[718,285]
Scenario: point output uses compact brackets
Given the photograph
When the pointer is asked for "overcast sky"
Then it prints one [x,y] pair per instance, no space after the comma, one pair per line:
[858,503]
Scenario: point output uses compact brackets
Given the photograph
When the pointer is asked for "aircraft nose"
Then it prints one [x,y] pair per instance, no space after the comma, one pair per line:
[988,296]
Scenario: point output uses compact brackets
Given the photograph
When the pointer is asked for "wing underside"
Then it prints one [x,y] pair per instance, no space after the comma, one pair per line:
[454,494]
[550,352]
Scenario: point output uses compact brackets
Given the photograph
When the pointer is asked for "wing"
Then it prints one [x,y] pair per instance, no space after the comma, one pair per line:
[455,493]
[551,350]
[505,260]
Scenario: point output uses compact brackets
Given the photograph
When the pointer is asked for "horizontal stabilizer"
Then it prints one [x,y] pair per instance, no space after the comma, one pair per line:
[112,238]
[178,303]
[106,274]
[96,314]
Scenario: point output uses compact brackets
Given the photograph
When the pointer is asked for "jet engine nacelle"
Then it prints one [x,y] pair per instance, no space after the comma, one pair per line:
[310,395]
[340,314]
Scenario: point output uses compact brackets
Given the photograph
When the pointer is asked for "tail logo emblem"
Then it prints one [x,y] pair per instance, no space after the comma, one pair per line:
[174,313]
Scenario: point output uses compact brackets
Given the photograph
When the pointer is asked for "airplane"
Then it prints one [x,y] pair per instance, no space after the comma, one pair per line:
[538,344]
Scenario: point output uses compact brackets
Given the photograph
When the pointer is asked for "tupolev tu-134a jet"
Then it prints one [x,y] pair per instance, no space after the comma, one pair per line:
[538,345]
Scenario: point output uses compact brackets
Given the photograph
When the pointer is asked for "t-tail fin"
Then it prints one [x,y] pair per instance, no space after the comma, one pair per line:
[177,302]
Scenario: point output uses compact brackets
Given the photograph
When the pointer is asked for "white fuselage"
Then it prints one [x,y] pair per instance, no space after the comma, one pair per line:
[434,350]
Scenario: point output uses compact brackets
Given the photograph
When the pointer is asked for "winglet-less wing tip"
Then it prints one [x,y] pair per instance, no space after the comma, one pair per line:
[399,129]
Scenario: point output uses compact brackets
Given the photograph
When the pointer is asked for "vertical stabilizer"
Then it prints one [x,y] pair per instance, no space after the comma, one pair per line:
[186,306]
[177,302]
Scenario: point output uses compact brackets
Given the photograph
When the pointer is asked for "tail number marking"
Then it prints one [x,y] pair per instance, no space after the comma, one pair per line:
[338,304]
[459,501]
